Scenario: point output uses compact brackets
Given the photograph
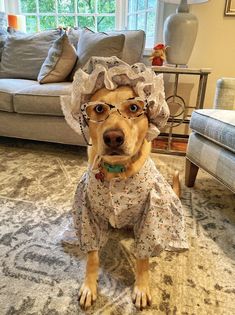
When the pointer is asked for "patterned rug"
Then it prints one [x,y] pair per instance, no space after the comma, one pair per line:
[41,276]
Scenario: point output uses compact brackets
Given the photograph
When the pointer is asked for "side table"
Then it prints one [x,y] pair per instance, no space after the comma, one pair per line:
[178,107]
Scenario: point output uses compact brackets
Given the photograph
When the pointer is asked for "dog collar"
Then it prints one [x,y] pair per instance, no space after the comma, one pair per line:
[117,168]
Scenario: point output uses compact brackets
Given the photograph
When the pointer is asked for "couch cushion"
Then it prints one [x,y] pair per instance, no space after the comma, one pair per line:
[98,44]
[133,46]
[216,125]
[60,61]
[41,99]
[8,87]
[23,55]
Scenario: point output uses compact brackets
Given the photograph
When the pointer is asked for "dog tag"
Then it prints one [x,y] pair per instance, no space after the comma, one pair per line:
[100,176]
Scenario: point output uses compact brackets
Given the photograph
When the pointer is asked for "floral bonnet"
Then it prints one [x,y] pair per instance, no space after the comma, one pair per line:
[111,72]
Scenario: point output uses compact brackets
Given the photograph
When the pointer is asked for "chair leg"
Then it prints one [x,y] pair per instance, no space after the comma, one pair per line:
[190,173]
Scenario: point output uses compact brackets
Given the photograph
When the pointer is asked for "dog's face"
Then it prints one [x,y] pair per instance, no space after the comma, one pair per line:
[117,138]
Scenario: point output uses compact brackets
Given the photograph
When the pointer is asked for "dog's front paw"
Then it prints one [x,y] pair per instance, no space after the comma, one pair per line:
[87,295]
[141,296]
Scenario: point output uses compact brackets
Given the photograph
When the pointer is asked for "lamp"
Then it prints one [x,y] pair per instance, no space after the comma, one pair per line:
[180,31]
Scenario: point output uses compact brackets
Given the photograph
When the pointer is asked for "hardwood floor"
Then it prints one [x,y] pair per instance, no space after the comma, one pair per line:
[178,145]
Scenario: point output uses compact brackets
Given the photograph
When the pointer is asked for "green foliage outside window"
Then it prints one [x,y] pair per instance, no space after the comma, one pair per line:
[86,6]
[53,13]
[86,21]
[28,6]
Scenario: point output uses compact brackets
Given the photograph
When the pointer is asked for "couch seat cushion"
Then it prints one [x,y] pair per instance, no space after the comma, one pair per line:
[8,87]
[216,125]
[41,99]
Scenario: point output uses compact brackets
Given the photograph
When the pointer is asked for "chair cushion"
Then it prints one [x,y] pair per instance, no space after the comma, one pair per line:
[225,94]
[216,125]
[41,99]
[8,88]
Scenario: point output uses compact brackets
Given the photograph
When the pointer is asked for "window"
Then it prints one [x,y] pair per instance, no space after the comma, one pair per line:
[98,15]
[142,14]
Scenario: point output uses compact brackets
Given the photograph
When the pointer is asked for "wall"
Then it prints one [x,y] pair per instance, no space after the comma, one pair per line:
[215,44]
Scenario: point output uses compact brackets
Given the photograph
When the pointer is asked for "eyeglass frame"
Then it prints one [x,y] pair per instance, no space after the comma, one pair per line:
[87,118]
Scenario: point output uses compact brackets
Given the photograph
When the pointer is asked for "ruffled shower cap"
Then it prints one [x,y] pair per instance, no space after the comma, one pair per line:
[111,72]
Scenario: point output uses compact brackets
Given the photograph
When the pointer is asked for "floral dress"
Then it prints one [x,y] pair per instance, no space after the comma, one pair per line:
[145,201]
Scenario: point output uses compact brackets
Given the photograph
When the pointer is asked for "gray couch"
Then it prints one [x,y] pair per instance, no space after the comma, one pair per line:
[29,110]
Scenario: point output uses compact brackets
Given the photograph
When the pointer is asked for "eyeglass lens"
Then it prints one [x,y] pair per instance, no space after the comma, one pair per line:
[128,109]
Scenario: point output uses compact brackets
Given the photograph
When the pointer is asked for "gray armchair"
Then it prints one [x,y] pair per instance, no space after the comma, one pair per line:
[211,144]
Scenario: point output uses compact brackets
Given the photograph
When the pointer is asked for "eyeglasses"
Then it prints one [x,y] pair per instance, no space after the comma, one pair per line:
[100,111]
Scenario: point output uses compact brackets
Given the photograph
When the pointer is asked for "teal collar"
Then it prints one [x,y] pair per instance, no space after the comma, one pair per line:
[118,168]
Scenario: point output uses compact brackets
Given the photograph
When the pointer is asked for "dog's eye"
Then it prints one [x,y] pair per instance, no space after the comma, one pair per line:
[99,109]
[133,108]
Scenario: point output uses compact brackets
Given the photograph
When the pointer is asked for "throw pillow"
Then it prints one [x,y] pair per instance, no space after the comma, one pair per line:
[23,55]
[3,31]
[74,35]
[98,44]
[3,38]
[59,62]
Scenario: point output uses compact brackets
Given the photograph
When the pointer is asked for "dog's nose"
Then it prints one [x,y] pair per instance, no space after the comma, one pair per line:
[113,138]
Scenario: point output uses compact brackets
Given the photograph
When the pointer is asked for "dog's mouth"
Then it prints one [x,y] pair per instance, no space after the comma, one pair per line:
[113,156]
[114,152]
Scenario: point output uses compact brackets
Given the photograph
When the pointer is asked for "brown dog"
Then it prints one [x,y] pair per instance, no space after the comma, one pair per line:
[118,140]
[124,107]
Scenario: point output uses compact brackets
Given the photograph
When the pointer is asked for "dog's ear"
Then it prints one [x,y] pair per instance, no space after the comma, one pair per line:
[72,117]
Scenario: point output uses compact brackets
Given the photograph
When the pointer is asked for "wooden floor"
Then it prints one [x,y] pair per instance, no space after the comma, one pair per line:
[178,145]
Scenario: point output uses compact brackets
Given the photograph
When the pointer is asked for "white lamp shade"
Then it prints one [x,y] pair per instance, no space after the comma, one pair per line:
[188,1]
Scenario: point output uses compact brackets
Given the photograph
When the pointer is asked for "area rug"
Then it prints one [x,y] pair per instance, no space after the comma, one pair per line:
[41,275]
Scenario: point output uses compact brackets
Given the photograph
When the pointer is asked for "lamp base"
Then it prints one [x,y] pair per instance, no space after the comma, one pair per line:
[180,31]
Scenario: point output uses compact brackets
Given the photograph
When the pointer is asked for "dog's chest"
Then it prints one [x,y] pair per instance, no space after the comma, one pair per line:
[120,201]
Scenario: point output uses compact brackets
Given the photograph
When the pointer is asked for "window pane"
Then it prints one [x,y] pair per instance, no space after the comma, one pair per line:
[151,3]
[141,4]
[28,6]
[141,21]
[47,22]
[132,6]
[105,23]
[66,21]
[132,22]
[86,21]
[86,6]
[106,6]
[31,24]
[46,6]
[65,6]
[150,31]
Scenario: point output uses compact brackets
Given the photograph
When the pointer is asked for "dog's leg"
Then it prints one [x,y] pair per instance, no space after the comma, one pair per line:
[88,290]
[141,293]
[176,184]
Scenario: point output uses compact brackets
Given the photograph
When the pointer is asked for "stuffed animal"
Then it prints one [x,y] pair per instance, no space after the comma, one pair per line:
[158,55]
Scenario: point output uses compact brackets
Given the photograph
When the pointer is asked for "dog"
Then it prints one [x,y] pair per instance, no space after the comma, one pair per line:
[120,168]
